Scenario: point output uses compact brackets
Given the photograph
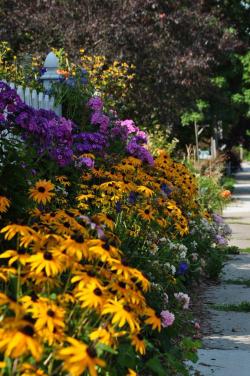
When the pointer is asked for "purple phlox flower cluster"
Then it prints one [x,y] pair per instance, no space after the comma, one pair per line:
[50,133]
[9,101]
[138,151]
[129,126]
[125,131]
[85,162]
[98,118]
[182,298]
[217,218]
[86,142]
[95,103]
[220,240]
[167,318]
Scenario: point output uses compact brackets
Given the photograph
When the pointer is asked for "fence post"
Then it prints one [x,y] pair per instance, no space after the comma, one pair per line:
[51,65]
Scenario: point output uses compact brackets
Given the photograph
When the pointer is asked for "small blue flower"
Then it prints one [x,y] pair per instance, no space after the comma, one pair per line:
[166,189]
[182,268]
[132,197]
[42,71]
[83,72]
[118,207]
[84,81]
[71,81]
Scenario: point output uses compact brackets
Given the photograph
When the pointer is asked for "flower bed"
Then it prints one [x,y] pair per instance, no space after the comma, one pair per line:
[100,242]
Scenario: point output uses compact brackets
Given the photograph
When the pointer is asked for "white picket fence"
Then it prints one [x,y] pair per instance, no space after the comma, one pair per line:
[40,100]
[36,99]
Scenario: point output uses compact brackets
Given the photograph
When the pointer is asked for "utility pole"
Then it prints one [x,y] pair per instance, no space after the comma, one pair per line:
[196,140]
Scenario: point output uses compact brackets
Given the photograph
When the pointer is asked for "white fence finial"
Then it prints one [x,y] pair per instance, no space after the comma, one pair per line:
[51,65]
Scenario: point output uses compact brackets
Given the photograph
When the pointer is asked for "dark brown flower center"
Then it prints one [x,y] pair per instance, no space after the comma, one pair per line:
[41,189]
[140,337]
[122,285]
[30,319]
[78,238]
[34,297]
[106,246]
[21,251]
[66,224]
[50,313]
[98,292]
[91,352]
[48,256]
[127,308]
[91,273]
[27,330]
[146,211]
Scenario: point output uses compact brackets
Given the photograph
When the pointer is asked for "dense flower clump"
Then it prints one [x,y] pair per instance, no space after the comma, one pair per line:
[95,263]
[59,137]
[52,134]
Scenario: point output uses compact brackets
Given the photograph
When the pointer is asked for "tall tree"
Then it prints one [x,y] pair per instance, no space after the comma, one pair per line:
[177,46]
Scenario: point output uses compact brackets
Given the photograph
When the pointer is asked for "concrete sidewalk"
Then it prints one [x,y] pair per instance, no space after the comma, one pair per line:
[226,352]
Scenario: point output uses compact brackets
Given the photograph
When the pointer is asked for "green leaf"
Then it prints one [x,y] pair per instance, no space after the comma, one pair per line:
[155,365]
[103,347]
[126,357]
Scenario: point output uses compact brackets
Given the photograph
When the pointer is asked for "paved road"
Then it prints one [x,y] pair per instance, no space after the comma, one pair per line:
[226,352]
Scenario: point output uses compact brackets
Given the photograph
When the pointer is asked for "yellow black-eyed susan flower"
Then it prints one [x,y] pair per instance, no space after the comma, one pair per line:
[4,204]
[152,319]
[122,314]
[18,338]
[92,296]
[20,255]
[138,342]
[48,316]
[78,357]
[50,261]
[42,191]
[27,369]
[147,213]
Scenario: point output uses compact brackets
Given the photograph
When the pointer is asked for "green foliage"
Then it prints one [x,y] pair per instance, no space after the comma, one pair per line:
[241,307]
[215,263]
[190,117]
[160,139]
[219,81]
[227,182]
[210,194]
[244,282]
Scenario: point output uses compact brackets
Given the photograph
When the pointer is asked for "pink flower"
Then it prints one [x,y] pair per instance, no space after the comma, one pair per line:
[167,318]
[197,326]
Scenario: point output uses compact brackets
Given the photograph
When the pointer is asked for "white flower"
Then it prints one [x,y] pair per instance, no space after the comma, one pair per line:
[163,240]
[165,298]
[183,299]
[183,248]
[173,269]
[183,254]
[203,262]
